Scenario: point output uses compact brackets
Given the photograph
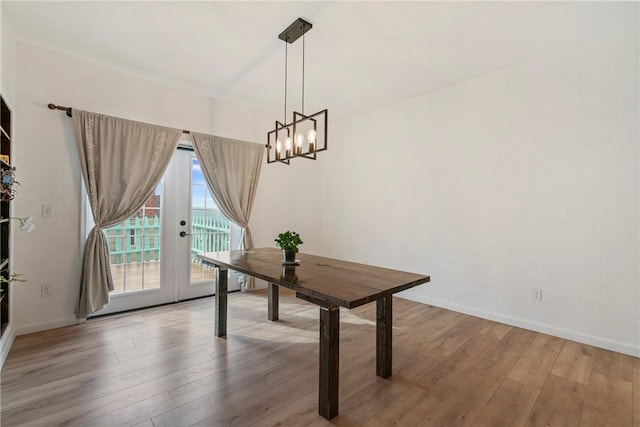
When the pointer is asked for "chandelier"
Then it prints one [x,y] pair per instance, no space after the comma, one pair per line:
[305,135]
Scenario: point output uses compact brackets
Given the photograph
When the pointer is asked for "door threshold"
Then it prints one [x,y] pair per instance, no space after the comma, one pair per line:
[149,308]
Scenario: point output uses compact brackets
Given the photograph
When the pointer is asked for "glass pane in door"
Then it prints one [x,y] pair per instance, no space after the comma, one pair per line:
[134,247]
[210,230]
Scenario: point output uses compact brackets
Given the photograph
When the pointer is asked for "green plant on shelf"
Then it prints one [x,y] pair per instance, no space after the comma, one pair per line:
[14,277]
[7,184]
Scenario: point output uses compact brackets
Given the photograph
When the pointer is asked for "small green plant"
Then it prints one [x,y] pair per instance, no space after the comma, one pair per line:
[15,277]
[289,241]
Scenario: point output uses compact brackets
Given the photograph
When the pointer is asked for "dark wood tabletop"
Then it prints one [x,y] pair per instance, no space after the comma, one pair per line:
[343,283]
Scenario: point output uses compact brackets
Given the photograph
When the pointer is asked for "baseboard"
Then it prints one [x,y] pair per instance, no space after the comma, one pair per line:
[595,341]
[43,326]
[6,342]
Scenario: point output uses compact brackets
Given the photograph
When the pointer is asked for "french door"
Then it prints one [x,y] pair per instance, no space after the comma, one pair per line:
[153,253]
[201,228]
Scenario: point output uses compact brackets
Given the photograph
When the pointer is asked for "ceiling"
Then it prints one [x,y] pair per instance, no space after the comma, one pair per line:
[359,55]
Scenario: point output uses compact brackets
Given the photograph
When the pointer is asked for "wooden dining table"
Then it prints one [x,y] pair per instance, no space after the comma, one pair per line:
[328,283]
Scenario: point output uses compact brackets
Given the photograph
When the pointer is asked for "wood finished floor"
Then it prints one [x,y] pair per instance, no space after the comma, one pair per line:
[164,367]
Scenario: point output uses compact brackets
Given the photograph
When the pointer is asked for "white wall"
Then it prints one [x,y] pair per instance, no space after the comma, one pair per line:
[7,59]
[525,178]
[45,156]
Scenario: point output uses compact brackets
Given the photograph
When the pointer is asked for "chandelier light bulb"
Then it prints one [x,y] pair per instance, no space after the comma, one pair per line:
[299,141]
[311,136]
[288,143]
[278,146]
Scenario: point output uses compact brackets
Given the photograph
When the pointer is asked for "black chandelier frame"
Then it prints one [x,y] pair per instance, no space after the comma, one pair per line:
[318,121]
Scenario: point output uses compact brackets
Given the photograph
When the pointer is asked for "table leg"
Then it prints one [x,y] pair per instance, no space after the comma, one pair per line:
[221,302]
[273,301]
[383,336]
[329,361]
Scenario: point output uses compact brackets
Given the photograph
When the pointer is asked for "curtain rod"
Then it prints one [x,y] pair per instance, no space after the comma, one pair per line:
[69,113]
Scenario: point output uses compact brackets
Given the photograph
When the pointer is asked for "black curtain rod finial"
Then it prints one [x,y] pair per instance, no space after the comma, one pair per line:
[61,108]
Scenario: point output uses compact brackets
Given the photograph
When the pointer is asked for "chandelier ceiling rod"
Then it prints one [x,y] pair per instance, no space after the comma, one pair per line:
[286,67]
[303,74]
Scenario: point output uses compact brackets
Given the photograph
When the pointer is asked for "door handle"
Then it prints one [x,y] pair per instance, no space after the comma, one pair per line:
[183,234]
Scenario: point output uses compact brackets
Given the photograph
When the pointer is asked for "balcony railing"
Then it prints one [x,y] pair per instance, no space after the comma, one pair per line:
[138,239]
[209,233]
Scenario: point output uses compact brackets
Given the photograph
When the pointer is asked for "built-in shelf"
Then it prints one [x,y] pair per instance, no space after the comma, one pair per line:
[5,209]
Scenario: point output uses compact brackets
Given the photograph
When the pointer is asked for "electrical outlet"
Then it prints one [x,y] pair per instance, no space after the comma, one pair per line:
[45,290]
[536,294]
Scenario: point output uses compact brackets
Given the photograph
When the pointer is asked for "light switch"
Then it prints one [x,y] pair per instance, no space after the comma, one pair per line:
[47,211]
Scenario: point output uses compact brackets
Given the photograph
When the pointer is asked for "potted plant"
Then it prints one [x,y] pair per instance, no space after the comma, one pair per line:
[8,279]
[288,242]
[7,182]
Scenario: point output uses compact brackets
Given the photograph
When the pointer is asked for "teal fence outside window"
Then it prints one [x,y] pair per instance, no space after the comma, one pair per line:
[138,239]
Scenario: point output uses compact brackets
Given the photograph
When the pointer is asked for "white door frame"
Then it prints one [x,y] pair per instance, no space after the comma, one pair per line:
[175,251]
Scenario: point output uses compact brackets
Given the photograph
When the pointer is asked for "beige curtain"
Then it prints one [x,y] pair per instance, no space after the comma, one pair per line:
[231,169]
[122,161]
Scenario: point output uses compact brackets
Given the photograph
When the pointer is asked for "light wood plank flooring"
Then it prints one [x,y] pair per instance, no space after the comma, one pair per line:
[164,367]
